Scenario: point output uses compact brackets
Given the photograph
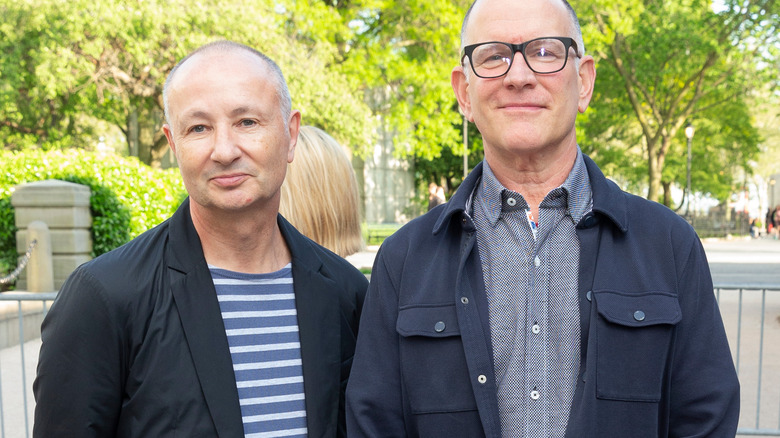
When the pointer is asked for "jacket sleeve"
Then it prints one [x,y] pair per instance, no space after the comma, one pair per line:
[374,400]
[78,387]
[704,398]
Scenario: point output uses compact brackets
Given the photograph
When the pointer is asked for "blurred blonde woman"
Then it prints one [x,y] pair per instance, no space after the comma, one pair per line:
[320,193]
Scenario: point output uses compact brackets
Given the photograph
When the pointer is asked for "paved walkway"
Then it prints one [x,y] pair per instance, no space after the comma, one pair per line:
[364,259]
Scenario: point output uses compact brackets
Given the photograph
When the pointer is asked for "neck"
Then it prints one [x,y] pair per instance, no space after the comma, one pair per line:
[242,242]
[533,175]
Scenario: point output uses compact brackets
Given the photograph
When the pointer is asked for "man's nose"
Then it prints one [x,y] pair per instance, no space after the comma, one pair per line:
[226,145]
[519,72]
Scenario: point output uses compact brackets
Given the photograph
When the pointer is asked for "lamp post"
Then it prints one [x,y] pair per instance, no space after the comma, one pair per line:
[689,131]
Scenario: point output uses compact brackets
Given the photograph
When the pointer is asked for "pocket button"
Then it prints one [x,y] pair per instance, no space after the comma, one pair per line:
[639,315]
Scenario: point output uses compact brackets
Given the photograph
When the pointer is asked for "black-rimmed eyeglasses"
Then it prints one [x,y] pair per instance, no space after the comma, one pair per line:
[493,59]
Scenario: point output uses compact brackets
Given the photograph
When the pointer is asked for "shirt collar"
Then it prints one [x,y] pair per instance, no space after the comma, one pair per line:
[576,191]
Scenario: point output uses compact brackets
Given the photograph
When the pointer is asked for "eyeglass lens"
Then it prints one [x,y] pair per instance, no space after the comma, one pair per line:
[542,56]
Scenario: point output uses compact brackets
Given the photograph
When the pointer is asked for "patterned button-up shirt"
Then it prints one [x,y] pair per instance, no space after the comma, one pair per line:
[530,270]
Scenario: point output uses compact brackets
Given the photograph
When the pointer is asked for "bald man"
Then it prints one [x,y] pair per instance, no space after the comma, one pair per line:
[556,304]
[224,321]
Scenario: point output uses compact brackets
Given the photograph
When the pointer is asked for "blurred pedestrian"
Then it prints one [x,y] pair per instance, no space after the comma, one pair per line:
[435,196]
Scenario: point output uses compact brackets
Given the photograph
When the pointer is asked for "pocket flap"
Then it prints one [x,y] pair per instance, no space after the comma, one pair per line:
[431,321]
[638,310]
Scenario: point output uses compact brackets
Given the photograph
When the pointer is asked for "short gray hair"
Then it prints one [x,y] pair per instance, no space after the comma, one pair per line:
[282,91]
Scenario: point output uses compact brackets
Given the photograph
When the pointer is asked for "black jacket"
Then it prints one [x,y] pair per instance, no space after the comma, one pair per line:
[134,345]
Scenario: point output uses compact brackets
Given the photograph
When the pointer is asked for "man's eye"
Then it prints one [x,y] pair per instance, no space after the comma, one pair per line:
[198,128]
[248,122]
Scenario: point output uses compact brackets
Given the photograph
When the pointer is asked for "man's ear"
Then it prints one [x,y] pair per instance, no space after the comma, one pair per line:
[460,87]
[169,135]
[294,125]
[587,80]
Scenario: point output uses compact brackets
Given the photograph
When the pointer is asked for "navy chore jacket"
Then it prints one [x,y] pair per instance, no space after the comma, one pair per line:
[654,362]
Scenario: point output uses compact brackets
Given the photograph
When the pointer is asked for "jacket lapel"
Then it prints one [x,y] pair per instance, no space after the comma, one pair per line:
[201,319]
[317,304]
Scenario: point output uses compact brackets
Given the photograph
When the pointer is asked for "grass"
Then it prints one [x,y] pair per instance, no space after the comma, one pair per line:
[375,234]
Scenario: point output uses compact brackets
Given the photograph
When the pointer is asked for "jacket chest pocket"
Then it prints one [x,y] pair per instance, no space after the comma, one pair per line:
[433,362]
[634,335]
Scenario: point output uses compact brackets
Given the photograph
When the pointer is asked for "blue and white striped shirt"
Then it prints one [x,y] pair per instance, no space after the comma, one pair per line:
[262,330]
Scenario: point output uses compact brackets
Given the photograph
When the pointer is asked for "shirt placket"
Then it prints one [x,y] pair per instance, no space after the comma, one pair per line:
[537,333]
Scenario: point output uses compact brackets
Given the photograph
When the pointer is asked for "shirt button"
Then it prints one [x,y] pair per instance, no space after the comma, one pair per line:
[482,379]
[535,395]
[439,327]
[511,202]
[537,262]
[639,315]
[536,329]
[464,300]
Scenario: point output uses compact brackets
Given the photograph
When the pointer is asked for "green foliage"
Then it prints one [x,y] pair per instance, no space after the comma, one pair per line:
[127,197]
[352,66]
[66,65]
[398,55]
[446,169]
[662,64]
[356,67]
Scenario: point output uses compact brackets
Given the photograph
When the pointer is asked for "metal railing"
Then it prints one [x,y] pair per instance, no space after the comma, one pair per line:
[14,382]
[751,314]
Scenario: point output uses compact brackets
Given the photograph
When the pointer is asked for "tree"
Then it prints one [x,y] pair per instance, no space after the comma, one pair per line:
[401,53]
[664,63]
[68,64]
[41,93]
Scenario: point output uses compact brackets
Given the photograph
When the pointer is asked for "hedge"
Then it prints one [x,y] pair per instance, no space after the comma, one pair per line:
[128,197]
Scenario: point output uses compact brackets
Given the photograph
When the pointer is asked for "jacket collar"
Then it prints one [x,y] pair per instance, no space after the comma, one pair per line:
[317,302]
[317,305]
[196,302]
[608,200]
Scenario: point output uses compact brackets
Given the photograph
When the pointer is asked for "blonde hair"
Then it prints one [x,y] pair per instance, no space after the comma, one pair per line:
[320,196]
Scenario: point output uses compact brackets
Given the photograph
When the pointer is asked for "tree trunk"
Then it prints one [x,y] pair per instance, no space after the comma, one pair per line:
[653,172]
[159,151]
[667,185]
[151,141]
[132,132]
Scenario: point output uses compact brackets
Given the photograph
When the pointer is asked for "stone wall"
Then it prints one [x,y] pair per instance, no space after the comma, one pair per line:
[64,208]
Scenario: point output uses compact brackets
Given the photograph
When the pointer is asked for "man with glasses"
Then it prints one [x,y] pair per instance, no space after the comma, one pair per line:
[558,305]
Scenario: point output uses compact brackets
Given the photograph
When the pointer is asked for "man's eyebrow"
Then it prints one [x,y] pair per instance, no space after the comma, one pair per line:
[197,114]
[240,110]
[246,110]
